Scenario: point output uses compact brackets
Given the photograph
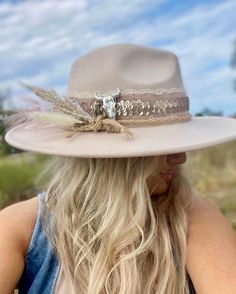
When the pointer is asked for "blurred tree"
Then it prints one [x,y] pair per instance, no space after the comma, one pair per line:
[209,112]
[4,147]
[4,94]
[233,63]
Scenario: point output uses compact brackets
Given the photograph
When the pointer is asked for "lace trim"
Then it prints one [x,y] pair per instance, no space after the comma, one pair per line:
[161,91]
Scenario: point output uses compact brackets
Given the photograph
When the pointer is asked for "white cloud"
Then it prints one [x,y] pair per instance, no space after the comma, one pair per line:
[41,39]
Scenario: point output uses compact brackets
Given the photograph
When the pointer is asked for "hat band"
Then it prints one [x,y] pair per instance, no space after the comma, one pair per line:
[111,112]
[143,108]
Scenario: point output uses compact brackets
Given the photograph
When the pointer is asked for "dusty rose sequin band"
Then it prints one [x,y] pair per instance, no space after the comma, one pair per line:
[143,106]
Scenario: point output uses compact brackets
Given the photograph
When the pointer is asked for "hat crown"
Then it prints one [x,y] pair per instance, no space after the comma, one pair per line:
[125,66]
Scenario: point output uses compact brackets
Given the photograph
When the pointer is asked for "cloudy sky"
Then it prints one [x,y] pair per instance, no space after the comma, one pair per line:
[39,40]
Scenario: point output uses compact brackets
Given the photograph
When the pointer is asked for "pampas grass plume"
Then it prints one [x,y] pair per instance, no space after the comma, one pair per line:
[56,118]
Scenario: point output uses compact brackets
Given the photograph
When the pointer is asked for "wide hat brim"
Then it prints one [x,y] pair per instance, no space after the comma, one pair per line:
[199,132]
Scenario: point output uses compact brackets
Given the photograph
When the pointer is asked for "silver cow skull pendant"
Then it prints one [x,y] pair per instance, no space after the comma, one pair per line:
[106,103]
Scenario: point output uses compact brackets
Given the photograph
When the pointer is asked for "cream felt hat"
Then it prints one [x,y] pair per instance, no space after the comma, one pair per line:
[123,100]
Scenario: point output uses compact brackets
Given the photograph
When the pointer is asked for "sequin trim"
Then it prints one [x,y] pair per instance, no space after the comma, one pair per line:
[142,106]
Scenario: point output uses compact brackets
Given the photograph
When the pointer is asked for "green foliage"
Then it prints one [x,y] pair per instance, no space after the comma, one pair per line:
[18,177]
[4,147]
[4,96]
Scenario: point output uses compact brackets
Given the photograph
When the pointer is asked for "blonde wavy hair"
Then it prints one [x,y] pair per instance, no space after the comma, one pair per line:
[111,234]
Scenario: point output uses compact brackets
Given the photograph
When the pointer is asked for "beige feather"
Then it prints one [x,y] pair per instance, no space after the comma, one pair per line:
[59,119]
[59,102]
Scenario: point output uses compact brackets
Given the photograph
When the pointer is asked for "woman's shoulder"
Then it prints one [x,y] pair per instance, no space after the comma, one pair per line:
[211,248]
[18,221]
[16,226]
[198,207]
[201,211]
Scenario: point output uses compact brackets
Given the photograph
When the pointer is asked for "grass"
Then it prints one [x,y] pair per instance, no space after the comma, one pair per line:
[18,177]
[212,171]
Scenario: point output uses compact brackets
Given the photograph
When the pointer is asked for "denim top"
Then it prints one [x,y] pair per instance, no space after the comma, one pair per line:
[41,265]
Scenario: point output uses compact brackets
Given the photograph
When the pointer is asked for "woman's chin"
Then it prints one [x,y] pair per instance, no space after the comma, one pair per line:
[160,191]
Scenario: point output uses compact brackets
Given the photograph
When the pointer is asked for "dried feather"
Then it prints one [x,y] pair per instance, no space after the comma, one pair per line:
[60,103]
[17,118]
[56,118]
[75,115]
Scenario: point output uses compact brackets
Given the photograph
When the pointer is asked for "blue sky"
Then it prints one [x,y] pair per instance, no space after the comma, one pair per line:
[39,40]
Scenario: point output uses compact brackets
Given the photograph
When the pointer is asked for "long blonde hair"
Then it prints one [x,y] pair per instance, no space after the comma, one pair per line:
[110,234]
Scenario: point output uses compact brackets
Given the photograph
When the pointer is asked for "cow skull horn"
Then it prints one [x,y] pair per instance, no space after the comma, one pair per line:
[117,93]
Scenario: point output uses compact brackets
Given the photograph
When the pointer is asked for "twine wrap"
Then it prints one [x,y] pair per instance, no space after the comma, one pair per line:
[137,109]
[101,123]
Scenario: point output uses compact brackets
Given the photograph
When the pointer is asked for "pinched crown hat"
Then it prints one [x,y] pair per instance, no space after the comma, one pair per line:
[123,100]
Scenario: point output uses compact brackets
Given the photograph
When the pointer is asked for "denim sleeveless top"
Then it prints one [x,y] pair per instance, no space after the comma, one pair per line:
[41,265]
